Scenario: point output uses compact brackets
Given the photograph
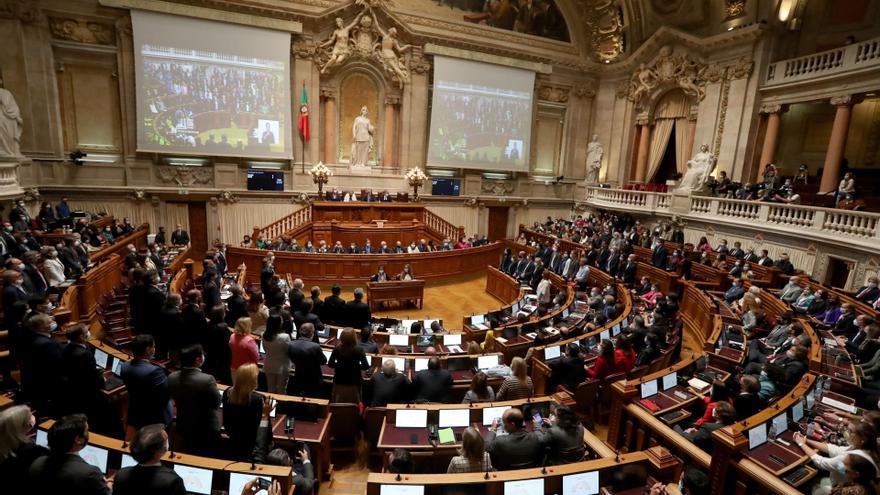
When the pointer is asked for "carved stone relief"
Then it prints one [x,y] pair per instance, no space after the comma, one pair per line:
[668,69]
[585,90]
[24,10]
[81,31]
[497,186]
[184,176]
[551,93]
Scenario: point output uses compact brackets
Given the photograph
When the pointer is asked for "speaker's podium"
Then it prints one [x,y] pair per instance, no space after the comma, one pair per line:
[395,290]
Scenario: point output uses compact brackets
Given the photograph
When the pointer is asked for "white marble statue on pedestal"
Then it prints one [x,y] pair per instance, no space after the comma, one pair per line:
[595,151]
[697,176]
[362,139]
[10,124]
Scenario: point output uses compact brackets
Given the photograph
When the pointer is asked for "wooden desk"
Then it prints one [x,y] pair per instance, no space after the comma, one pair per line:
[395,290]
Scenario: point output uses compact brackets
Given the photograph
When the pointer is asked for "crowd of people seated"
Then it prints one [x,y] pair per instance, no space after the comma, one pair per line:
[776,189]
[287,244]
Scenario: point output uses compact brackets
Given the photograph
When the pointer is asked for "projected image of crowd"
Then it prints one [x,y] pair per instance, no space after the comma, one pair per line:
[472,127]
[177,94]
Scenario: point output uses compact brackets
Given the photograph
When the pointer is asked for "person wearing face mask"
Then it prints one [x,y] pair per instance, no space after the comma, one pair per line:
[380,275]
[69,257]
[108,235]
[13,288]
[869,292]
[53,268]
[861,440]
[83,381]
[41,364]
[148,446]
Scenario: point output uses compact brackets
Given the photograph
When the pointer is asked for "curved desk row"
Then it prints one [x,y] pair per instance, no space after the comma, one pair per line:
[358,268]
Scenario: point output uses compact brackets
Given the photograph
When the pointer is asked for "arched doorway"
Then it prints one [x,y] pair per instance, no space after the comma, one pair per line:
[672,137]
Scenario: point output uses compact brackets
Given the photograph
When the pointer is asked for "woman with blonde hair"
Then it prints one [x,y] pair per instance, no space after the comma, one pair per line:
[518,385]
[489,343]
[17,451]
[242,410]
[242,346]
[349,361]
[472,457]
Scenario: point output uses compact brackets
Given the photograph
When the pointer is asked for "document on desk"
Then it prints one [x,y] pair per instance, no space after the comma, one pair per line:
[446,435]
[828,401]
[697,383]
[454,349]
[402,490]
[581,483]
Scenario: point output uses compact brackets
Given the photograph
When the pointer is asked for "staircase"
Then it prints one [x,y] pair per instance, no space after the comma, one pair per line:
[442,228]
[283,226]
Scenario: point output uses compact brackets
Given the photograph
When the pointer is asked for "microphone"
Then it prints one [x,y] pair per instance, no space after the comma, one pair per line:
[486,465]
[171,454]
[544,464]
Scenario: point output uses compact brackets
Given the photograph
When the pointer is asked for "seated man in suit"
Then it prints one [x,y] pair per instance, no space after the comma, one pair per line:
[198,401]
[568,370]
[389,386]
[724,415]
[149,475]
[432,384]
[735,292]
[63,470]
[357,312]
[518,449]
[791,291]
[869,292]
[747,402]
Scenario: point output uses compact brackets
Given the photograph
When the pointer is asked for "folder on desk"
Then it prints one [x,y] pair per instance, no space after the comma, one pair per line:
[446,435]
[650,405]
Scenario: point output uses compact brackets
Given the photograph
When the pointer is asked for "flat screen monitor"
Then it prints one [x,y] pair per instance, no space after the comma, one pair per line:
[428,323]
[781,423]
[425,341]
[552,352]
[486,362]
[420,364]
[615,330]
[524,487]
[757,436]
[797,411]
[670,380]
[493,413]
[101,358]
[96,456]
[398,340]
[195,480]
[649,388]
[445,187]
[407,325]
[454,418]
[452,339]
[401,490]
[515,307]
[605,335]
[117,367]
[42,438]
[265,180]
[478,319]
[411,418]
[238,480]
[127,461]
[581,483]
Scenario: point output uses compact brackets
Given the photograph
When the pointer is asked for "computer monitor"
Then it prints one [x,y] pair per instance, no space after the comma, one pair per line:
[515,307]
[524,487]
[420,364]
[96,456]
[486,362]
[605,335]
[454,418]
[195,480]
[649,388]
[615,330]
[324,332]
[265,180]
[411,418]
[425,341]
[117,367]
[478,319]
[509,332]
[428,323]
[797,411]
[757,436]
[128,461]
[670,380]
[407,325]
[452,339]
[238,480]
[552,352]
[493,413]
[398,340]
[445,186]
[780,422]
[581,483]
[401,490]
[101,358]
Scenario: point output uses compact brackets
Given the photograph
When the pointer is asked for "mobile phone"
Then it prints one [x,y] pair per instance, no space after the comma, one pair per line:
[265,484]
[538,418]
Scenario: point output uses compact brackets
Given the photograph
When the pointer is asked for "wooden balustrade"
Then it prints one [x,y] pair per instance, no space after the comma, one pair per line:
[283,225]
[138,238]
[442,227]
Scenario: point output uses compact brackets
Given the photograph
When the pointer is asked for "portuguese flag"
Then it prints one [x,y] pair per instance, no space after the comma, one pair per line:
[303,121]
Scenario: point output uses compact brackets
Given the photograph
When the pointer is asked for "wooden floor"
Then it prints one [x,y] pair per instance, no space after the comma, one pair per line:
[448,300]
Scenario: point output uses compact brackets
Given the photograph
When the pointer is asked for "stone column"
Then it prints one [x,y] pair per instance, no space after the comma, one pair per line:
[389,142]
[837,143]
[644,148]
[329,121]
[771,135]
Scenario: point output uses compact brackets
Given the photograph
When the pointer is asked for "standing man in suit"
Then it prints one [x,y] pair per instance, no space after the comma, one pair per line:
[525,276]
[659,254]
[35,279]
[179,237]
[197,399]
[518,449]
[149,476]
[236,306]
[432,384]
[267,272]
[296,294]
[153,301]
[63,470]
[389,386]
[305,314]
[629,271]
[307,358]
[83,381]
[13,288]
[334,307]
[69,258]
[41,363]
[147,386]
[518,265]
[155,258]
[357,312]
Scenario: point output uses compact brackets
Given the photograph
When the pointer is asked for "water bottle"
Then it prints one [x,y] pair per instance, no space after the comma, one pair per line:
[772,433]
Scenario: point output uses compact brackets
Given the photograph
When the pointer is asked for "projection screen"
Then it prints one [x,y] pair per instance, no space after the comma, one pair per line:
[481,115]
[211,88]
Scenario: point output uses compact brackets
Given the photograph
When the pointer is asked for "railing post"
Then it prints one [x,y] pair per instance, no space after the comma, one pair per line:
[254,236]
[819,221]
[713,206]
[651,202]
[763,212]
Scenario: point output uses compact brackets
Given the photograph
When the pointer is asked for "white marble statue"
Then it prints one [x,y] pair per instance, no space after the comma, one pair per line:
[697,175]
[10,124]
[595,151]
[362,139]
[389,52]
[341,43]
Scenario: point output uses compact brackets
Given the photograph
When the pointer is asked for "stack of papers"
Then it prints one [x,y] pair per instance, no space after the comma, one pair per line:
[480,326]
[454,349]
[697,383]
[501,340]
[828,401]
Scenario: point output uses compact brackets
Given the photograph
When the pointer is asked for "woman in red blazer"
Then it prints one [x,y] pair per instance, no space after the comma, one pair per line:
[624,355]
[604,364]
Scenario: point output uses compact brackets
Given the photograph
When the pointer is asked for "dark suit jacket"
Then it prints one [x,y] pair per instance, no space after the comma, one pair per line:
[307,358]
[296,297]
[658,257]
[236,308]
[389,390]
[34,279]
[83,381]
[432,385]
[147,480]
[629,273]
[869,296]
[148,400]
[211,294]
[68,474]
[41,368]
[516,450]
[197,400]
[357,313]
[179,237]
[746,405]
[568,371]
[333,310]
[151,308]
[703,436]
[194,325]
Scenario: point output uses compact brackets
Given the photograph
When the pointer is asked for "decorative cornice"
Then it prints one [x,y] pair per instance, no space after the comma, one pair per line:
[81,31]
[25,11]
[393,100]
[842,100]
[184,176]
[772,108]
[585,90]
[553,93]
[328,93]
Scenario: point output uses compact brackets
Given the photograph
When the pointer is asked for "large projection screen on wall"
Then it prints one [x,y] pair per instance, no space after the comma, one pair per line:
[481,115]
[211,88]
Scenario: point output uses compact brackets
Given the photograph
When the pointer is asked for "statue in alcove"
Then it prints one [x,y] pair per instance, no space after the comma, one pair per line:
[10,123]
[362,131]
[595,151]
[698,169]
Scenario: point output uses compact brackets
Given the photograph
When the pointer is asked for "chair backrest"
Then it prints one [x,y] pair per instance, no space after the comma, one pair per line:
[605,388]
[345,422]
[586,395]
[373,418]
[571,454]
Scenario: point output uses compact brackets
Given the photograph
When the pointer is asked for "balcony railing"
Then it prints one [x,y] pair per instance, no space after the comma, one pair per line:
[856,227]
[858,56]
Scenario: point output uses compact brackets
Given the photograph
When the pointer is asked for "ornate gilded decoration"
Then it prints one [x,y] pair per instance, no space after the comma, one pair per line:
[555,94]
[734,8]
[81,31]
[498,187]
[184,176]
[304,48]
[668,70]
[605,22]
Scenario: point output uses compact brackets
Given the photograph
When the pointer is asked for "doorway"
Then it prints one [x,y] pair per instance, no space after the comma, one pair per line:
[498,216]
[198,227]
[838,272]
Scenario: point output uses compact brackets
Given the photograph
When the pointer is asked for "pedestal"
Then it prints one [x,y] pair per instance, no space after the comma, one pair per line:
[10,186]
[681,202]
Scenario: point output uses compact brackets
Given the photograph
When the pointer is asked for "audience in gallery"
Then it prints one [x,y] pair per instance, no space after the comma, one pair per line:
[288,244]
[773,188]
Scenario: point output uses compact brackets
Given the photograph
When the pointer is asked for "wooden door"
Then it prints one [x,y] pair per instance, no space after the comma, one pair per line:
[498,222]
[198,227]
